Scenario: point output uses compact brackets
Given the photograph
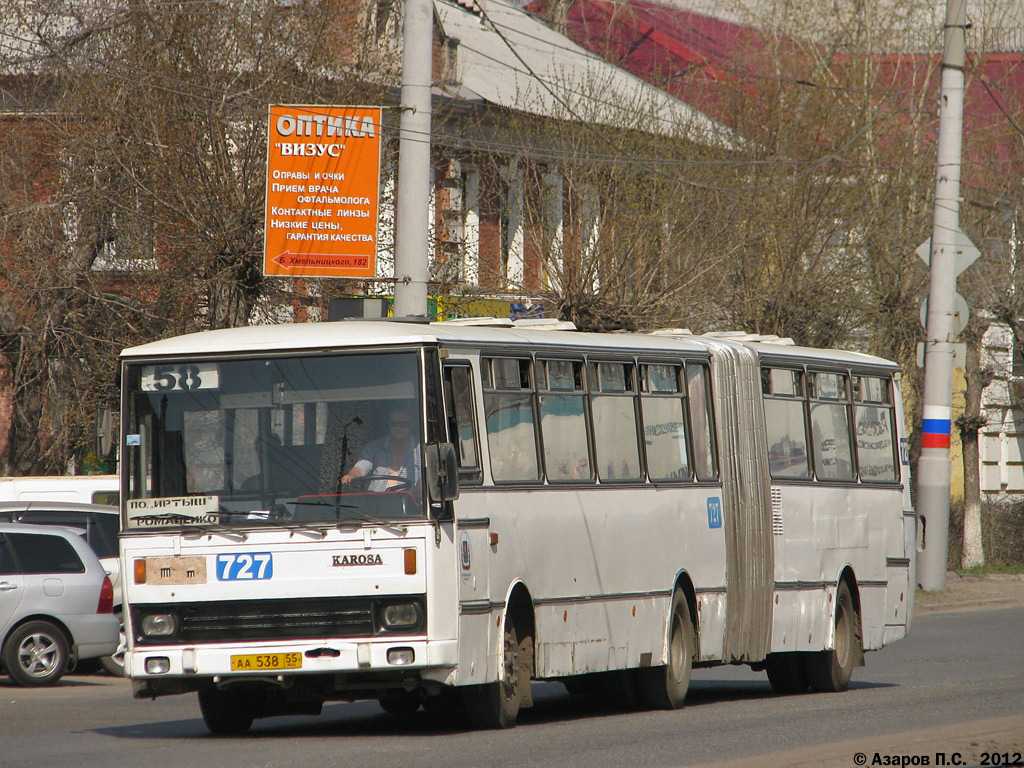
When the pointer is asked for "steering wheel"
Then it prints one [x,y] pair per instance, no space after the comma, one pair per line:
[362,483]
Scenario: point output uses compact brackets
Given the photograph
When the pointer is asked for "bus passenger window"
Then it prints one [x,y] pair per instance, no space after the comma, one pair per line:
[613,408]
[508,418]
[563,423]
[830,427]
[664,422]
[698,387]
[785,422]
[874,424]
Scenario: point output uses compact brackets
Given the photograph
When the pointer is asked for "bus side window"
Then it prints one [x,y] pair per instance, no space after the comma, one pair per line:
[698,387]
[458,400]
[785,422]
[613,409]
[664,422]
[563,421]
[508,419]
[874,420]
[830,426]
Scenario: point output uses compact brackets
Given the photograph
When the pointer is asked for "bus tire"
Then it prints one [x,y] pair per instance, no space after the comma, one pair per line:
[830,671]
[665,687]
[496,705]
[787,672]
[225,712]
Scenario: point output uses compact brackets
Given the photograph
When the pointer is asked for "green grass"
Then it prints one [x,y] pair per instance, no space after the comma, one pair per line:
[979,570]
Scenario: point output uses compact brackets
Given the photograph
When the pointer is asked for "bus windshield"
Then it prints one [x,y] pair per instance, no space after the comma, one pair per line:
[326,439]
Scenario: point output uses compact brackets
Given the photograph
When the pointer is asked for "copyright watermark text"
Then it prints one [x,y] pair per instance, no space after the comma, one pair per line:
[994,759]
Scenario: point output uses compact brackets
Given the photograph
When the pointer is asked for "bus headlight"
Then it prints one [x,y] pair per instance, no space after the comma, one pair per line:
[401,615]
[159,624]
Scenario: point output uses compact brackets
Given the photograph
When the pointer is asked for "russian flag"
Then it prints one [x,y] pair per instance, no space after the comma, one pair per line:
[935,433]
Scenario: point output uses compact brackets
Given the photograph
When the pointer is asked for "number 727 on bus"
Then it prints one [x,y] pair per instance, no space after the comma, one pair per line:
[245,566]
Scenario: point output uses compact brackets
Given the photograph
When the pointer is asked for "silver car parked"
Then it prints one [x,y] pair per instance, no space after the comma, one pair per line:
[99,525]
[56,603]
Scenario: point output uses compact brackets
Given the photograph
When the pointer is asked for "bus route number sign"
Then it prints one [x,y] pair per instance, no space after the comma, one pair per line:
[245,566]
[184,377]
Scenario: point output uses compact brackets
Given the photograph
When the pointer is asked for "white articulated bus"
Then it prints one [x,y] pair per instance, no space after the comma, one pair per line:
[436,514]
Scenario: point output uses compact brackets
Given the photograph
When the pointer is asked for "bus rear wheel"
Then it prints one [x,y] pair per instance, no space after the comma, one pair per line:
[665,687]
[830,671]
[496,705]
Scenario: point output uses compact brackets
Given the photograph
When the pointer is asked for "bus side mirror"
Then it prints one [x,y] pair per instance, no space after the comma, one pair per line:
[442,472]
[104,445]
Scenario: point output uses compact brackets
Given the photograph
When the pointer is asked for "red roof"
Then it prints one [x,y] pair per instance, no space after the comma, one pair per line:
[725,70]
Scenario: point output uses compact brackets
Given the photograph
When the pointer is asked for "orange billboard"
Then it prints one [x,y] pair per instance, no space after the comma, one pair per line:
[323,171]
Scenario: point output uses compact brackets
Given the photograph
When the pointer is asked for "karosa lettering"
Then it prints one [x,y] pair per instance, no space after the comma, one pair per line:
[343,560]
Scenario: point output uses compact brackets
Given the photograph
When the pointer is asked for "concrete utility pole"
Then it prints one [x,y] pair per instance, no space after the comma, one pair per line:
[413,216]
[933,466]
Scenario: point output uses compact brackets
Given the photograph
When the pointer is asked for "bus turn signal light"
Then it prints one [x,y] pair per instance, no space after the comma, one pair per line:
[140,570]
[410,561]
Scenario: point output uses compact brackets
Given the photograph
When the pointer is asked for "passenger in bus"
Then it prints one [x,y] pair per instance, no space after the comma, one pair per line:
[394,460]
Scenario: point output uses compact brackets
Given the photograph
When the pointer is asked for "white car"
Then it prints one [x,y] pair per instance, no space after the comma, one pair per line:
[56,603]
[99,524]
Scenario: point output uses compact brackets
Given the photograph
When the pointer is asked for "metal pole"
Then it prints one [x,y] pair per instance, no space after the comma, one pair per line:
[933,466]
[413,203]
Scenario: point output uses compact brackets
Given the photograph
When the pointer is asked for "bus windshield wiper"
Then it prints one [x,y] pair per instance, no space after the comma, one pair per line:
[355,515]
[309,528]
[198,531]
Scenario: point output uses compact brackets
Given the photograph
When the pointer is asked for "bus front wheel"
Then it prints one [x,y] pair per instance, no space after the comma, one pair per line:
[830,671]
[665,687]
[496,705]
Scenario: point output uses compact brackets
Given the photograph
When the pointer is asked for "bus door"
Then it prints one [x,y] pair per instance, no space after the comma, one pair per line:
[472,525]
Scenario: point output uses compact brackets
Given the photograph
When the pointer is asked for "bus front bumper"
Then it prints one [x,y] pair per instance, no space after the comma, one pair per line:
[351,664]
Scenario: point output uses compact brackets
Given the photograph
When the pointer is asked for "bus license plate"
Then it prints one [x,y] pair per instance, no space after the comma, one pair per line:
[265,661]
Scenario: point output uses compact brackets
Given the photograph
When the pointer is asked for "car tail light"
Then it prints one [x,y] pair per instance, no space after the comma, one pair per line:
[106,604]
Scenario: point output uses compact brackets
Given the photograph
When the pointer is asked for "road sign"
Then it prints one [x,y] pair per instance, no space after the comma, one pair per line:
[323,181]
[961,314]
[964,252]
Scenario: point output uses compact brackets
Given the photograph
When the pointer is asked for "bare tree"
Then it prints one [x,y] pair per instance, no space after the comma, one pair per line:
[139,214]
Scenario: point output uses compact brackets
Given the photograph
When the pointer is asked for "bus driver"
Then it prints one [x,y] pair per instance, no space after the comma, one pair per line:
[393,460]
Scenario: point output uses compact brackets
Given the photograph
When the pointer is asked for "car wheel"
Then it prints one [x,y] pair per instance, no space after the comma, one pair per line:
[36,654]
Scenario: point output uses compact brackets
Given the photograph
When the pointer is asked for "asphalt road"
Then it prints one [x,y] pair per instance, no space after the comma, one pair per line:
[955,687]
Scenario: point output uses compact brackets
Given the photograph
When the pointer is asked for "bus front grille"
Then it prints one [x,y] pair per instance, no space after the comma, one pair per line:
[229,621]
